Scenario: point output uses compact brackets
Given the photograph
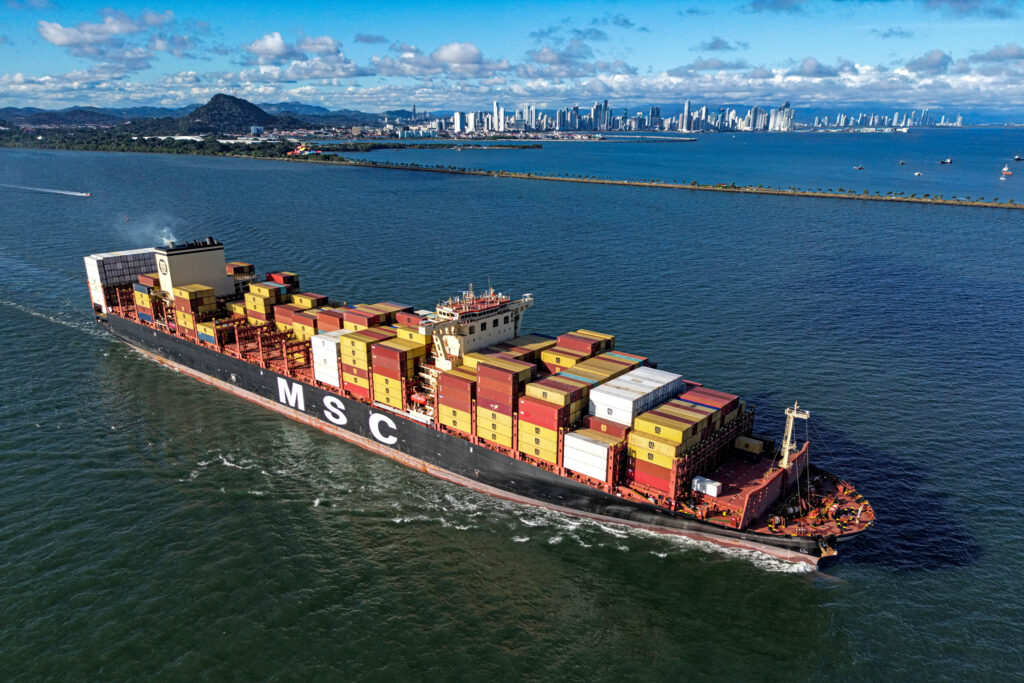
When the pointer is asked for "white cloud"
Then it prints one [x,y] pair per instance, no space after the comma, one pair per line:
[114,24]
[321,45]
[272,48]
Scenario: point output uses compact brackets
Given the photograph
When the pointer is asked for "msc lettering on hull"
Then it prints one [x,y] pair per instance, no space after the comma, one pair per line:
[382,427]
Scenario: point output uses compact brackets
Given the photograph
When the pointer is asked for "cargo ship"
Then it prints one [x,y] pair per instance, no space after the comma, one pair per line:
[569,422]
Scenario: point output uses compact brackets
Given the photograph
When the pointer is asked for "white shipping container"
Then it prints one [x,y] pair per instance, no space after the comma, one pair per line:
[585,444]
[327,375]
[585,465]
[708,487]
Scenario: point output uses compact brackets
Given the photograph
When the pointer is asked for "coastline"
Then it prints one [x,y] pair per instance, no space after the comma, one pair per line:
[335,158]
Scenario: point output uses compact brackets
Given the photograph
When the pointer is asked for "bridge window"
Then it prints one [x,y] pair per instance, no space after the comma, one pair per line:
[483,326]
[506,320]
[472,329]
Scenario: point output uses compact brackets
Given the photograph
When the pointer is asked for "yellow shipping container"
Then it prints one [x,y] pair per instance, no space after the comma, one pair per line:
[266,291]
[255,322]
[700,421]
[546,454]
[360,363]
[488,426]
[676,430]
[392,393]
[185,320]
[303,301]
[453,413]
[209,329]
[412,334]
[652,442]
[392,402]
[354,327]
[549,394]
[500,439]
[411,348]
[528,438]
[456,423]
[646,455]
[484,415]
[282,327]
[562,357]
[237,307]
[260,304]
[358,381]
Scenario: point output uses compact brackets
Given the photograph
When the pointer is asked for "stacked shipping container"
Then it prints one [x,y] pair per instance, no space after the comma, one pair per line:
[395,364]
[456,391]
[357,359]
[500,382]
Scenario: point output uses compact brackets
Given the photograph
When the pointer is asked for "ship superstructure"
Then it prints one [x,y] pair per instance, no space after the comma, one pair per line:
[569,422]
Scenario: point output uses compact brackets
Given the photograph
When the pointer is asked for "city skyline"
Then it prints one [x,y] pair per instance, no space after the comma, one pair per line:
[939,54]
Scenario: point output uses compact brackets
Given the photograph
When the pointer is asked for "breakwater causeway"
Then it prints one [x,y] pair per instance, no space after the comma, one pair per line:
[693,185]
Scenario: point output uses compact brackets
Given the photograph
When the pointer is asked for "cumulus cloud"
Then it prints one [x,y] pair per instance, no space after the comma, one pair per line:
[812,68]
[932,62]
[717,44]
[272,49]
[370,38]
[320,45]
[713,64]
[114,24]
[1000,53]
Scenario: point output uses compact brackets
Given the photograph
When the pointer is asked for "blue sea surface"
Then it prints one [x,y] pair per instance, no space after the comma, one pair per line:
[806,161]
[154,527]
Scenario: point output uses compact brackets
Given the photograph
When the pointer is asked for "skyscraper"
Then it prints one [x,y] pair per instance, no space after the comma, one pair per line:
[686,117]
[458,122]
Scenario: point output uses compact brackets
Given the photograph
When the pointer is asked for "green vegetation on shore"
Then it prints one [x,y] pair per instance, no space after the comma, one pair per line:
[101,140]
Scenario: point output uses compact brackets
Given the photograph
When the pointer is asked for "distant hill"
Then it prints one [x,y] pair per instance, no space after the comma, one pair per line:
[223,114]
[72,117]
[295,108]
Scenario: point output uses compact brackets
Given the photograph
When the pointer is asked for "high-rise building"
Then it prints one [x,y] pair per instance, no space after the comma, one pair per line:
[471,122]
[501,119]
[494,117]
[458,122]
[686,117]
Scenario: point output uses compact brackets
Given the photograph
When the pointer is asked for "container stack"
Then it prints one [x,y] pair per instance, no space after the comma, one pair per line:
[412,333]
[639,390]
[591,453]
[109,270]
[727,404]
[391,309]
[288,279]
[215,333]
[395,364]
[456,390]
[500,382]
[330,319]
[357,359]
[550,404]
[261,299]
[307,300]
[326,348]
[662,436]
[364,316]
[143,297]
[236,308]
[304,324]
[191,303]
[575,347]
[240,269]
[284,316]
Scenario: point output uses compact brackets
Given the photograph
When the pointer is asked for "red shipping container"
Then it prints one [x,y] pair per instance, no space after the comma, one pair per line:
[458,404]
[712,399]
[579,343]
[461,394]
[355,372]
[495,406]
[149,281]
[489,386]
[598,424]
[407,318]
[328,321]
[381,371]
[543,414]
[284,312]
[361,392]
[257,315]
[304,318]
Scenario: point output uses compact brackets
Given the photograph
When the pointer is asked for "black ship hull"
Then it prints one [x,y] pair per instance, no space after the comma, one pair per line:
[438,453]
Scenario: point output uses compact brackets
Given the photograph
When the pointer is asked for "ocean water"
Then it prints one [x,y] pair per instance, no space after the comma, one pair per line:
[154,527]
[807,161]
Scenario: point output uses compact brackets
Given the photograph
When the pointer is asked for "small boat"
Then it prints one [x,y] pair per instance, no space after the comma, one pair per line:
[1006,170]
[902,163]
[945,161]
[1017,157]
[918,173]
[87,194]
[858,168]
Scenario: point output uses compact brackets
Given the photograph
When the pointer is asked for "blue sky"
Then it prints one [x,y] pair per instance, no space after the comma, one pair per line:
[374,56]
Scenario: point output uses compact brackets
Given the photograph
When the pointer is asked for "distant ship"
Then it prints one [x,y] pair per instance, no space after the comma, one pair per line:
[1006,170]
[902,162]
[858,168]
[1017,157]
[947,160]
[918,173]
